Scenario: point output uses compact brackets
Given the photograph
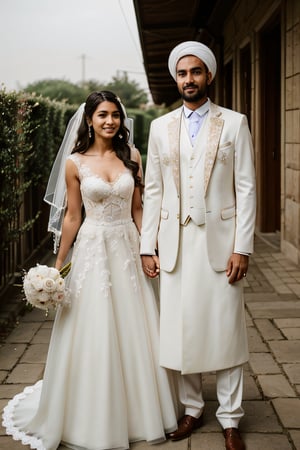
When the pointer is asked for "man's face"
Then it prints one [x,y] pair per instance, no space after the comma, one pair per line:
[192,79]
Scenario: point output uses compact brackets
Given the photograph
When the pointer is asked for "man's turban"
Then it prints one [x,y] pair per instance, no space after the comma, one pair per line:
[194,48]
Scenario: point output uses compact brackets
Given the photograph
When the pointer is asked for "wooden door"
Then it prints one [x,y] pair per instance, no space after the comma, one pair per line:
[270,64]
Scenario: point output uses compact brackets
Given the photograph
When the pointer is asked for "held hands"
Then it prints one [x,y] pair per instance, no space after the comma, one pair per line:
[150,265]
[237,267]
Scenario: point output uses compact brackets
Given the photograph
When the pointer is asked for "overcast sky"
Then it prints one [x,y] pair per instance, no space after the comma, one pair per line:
[42,39]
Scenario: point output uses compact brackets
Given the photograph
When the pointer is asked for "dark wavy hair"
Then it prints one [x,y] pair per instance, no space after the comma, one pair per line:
[119,141]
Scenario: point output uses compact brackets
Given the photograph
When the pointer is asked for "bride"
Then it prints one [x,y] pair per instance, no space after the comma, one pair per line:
[102,387]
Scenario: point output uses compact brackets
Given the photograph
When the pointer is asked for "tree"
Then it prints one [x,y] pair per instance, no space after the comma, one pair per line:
[60,90]
[128,90]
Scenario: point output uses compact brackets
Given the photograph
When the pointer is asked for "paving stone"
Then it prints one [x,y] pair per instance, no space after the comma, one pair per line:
[259,417]
[291,333]
[3,403]
[282,289]
[286,351]
[251,391]
[246,283]
[287,279]
[202,440]
[10,354]
[260,289]
[258,441]
[262,297]
[47,324]
[287,323]
[26,373]
[42,336]
[263,363]
[35,353]
[3,375]
[291,267]
[211,423]
[275,386]
[249,321]
[209,386]
[293,372]
[271,310]
[8,391]
[295,287]
[23,333]
[295,435]
[38,315]
[7,443]
[279,257]
[268,329]
[255,341]
[288,410]
[270,274]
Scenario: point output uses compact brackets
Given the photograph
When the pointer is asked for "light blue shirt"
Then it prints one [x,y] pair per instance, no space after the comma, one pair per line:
[201,111]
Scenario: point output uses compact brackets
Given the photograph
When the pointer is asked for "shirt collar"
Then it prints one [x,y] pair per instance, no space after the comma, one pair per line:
[202,110]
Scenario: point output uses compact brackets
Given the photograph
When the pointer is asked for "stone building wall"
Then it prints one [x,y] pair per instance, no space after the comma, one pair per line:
[291,163]
[241,28]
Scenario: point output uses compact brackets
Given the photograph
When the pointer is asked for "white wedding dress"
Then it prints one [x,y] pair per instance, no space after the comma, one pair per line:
[102,386]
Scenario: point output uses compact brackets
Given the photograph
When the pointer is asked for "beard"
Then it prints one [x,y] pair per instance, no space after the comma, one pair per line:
[196,96]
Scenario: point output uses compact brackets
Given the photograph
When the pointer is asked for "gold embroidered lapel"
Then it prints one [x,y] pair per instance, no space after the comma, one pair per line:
[213,139]
[174,140]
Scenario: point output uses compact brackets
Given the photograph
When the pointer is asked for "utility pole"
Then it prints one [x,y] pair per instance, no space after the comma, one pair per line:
[83,60]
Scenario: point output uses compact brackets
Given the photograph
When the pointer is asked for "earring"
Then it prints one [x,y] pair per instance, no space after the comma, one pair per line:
[90,131]
[120,136]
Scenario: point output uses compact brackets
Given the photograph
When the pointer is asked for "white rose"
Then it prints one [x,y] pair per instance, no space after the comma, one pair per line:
[58,297]
[48,285]
[37,282]
[60,284]
[31,272]
[53,273]
[43,297]
[42,270]
[28,288]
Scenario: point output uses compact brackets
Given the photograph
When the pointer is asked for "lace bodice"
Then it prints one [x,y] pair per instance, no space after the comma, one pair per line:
[105,201]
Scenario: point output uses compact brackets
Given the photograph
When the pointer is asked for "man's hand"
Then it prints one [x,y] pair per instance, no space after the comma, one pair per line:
[150,265]
[237,267]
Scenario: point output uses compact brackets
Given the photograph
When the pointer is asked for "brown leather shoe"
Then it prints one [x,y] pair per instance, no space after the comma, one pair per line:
[186,425]
[233,440]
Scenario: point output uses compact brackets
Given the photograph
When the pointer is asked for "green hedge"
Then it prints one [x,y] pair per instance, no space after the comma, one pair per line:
[141,128]
[31,129]
[142,121]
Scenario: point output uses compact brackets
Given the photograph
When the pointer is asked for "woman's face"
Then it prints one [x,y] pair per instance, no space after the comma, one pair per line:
[106,120]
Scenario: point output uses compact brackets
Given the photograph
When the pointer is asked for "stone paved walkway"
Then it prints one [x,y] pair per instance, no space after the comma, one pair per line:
[272,376]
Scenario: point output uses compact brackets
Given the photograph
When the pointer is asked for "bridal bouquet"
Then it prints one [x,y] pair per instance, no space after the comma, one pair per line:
[44,286]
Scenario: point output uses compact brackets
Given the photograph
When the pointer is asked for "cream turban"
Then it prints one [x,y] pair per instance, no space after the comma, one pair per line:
[194,48]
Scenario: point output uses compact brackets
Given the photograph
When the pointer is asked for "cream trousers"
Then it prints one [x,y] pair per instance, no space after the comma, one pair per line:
[229,384]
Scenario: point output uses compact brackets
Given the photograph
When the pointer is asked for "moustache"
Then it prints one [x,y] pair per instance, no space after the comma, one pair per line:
[189,86]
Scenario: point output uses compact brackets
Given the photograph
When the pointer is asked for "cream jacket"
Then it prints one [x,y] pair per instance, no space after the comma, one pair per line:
[229,187]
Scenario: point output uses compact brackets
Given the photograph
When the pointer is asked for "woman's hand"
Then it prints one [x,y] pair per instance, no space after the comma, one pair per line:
[150,265]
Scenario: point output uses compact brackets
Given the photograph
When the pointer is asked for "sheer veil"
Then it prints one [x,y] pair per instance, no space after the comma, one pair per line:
[55,194]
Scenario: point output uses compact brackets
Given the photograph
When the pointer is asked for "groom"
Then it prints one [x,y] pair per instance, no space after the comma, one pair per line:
[199,217]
